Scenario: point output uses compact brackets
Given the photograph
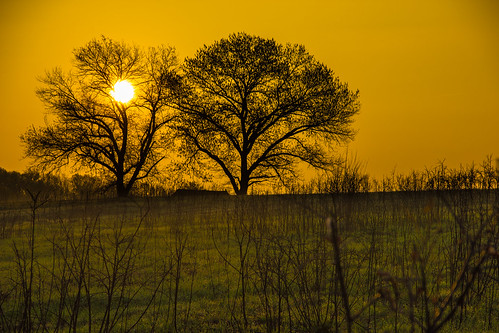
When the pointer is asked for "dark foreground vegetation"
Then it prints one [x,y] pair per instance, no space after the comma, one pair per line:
[401,261]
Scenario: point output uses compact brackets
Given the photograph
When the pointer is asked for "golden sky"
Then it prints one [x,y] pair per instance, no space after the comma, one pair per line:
[427,70]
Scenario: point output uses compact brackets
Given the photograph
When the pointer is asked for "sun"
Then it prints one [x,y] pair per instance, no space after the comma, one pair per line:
[123,91]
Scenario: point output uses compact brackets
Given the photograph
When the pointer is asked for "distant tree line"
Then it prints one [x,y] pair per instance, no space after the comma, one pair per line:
[347,178]
[14,186]
[350,178]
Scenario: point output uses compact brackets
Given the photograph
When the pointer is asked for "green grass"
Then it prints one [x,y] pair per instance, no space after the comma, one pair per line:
[255,263]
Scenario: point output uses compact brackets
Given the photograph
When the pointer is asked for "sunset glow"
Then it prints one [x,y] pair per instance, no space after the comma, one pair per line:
[427,71]
[123,91]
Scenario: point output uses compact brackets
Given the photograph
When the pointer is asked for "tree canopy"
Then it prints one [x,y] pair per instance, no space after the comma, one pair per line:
[92,130]
[252,109]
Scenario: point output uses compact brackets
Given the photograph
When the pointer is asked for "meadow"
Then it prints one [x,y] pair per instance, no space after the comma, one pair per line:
[398,262]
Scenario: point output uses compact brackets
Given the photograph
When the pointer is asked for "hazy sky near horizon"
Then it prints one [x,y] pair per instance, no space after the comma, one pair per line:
[427,70]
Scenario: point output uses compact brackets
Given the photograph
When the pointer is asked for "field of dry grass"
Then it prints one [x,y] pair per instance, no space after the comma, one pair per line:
[414,261]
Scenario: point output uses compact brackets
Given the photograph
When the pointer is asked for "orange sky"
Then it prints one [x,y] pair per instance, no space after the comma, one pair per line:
[427,70]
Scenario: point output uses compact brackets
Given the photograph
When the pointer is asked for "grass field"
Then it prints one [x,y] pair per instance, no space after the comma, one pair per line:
[414,261]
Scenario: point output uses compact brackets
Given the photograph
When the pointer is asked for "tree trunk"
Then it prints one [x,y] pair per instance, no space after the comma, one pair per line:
[243,188]
[244,182]
[121,190]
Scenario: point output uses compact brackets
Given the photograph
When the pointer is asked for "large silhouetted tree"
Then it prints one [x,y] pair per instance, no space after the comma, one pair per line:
[255,108]
[90,129]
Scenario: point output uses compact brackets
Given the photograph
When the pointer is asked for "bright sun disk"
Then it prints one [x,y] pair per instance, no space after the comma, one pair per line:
[123,91]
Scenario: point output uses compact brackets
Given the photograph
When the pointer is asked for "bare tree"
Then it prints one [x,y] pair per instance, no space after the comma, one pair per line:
[90,129]
[255,108]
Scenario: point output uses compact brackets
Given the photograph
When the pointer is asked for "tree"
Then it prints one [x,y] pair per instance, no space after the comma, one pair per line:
[90,129]
[255,108]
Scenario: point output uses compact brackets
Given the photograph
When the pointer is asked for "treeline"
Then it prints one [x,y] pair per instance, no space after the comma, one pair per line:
[14,186]
[350,178]
[347,178]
